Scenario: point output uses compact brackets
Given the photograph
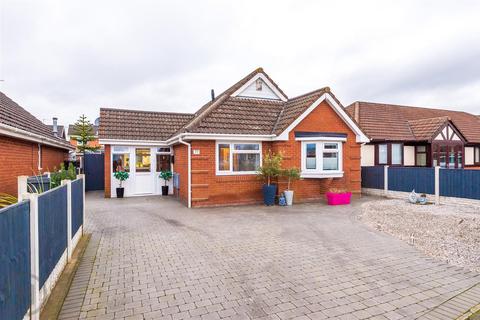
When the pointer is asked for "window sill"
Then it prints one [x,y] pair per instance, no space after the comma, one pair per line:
[309,175]
[229,173]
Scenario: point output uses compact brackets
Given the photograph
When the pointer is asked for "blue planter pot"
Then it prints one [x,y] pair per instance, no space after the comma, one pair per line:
[269,192]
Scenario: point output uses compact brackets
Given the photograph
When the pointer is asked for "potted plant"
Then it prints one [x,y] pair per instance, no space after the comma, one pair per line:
[291,174]
[270,169]
[166,176]
[120,176]
[338,196]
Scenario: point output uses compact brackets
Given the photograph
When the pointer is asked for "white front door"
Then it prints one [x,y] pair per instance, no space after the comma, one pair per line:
[144,175]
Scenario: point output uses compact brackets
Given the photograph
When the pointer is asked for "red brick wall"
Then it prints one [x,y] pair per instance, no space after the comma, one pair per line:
[19,157]
[209,189]
[323,119]
[107,175]
[180,166]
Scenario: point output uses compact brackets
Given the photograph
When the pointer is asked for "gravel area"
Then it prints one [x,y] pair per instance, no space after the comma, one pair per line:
[448,232]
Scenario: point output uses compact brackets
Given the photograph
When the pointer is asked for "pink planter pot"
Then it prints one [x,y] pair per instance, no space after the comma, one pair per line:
[335,199]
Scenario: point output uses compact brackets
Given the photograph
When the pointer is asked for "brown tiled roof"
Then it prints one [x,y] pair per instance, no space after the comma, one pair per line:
[241,116]
[140,125]
[209,107]
[60,130]
[294,107]
[392,122]
[13,115]
[424,129]
[224,115]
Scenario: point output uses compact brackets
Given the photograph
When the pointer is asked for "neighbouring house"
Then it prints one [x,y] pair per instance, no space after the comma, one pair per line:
[73,135]
[413,136]
[27,146]
[216,151]
[57,130]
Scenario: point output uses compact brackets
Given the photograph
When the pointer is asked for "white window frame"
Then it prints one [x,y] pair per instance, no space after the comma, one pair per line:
[113,151]
[230,172]
[319,150]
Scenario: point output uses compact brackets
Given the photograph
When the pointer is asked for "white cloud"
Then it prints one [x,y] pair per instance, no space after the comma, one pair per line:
[67,57]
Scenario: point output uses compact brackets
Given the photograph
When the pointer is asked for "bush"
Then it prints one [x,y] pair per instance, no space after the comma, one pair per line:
[271,167]
[56,177]
[166,176]
[121,176]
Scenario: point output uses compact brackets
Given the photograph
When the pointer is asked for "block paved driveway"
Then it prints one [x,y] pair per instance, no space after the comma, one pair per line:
[152,258]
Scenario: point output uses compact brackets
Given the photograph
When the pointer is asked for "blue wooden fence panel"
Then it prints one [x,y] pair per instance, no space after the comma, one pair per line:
[94,164]
[372,177]
[15,261]
[407,179]
[460,183]
[77,205]
[52,229]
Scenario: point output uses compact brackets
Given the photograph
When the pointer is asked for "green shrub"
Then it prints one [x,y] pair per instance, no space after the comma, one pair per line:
[271,167]
[166,176]
[121,176]
[291,174]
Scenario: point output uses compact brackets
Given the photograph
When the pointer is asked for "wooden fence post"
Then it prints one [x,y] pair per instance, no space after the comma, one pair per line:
[437,185]
[34,256]
[385,181]
[22,188]
[68,183]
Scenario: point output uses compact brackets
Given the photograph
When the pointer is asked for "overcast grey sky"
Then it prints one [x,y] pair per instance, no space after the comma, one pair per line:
[62,58]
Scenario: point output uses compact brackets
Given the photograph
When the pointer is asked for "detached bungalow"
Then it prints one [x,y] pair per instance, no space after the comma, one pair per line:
[27,146]
[412,136]
[217,150]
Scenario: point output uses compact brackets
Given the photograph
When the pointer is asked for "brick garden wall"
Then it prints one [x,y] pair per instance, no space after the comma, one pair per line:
[180,166]
[107,176]
[19,157]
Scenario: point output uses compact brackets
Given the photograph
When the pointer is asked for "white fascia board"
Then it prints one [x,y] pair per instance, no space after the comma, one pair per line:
[320,138]
[268,83]
[218,136]
[361,137]
[33,137]
[118,142]
[188,136]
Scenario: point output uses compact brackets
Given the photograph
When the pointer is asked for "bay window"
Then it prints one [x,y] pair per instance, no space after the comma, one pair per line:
[238,158]
[321,159]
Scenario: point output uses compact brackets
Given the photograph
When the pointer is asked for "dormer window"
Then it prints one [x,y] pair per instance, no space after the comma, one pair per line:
[259,84]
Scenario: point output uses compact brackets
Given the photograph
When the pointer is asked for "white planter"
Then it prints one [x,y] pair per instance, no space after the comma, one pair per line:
[288,196]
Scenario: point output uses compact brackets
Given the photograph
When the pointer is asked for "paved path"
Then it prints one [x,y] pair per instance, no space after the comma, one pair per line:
[151,258]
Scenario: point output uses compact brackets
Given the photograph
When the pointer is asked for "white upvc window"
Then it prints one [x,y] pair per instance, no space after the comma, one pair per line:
[235,158]
[322,159]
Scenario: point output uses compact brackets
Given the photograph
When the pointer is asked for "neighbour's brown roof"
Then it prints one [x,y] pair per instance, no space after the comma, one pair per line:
[405,123]
[223,115]
[71,130]
[60,130]
[424,129]
[13,115]
[140,125]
